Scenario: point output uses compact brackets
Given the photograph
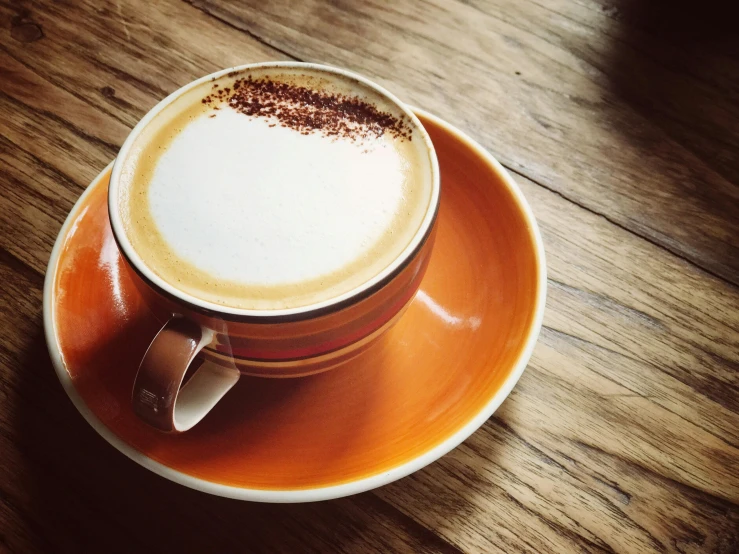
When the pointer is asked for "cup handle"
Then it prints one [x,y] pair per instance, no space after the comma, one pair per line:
[158,395]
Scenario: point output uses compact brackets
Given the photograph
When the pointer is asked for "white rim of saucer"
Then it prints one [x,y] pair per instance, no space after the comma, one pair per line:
[419,237]
[321,493]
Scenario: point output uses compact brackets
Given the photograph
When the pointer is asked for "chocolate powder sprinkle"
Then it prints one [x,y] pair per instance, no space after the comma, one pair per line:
[308,111]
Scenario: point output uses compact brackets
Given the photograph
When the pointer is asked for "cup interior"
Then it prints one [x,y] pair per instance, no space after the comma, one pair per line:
[377,281]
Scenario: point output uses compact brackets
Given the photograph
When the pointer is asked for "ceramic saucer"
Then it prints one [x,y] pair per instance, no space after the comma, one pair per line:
[428,384]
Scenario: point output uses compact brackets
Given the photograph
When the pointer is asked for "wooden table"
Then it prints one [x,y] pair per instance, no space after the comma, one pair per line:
[619,120]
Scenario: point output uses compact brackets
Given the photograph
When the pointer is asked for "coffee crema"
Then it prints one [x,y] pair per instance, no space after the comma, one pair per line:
[275,188]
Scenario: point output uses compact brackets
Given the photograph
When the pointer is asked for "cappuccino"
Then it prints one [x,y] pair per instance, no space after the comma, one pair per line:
[275,187]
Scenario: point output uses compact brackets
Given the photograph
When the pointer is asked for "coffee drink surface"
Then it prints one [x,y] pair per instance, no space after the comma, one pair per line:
[275,188]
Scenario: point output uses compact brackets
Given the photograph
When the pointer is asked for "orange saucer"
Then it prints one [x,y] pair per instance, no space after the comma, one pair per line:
[430,382]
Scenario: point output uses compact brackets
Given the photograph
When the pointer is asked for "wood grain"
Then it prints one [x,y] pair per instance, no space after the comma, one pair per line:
[541,86]
[621,126]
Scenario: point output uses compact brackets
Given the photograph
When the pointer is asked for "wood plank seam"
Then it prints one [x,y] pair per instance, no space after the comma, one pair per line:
[651,241]
[242,30]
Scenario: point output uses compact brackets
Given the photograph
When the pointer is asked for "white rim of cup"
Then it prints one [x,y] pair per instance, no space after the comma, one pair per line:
[333,491]
[304,311]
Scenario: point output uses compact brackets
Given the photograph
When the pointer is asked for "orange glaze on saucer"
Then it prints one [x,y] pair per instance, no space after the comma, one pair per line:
[424,379]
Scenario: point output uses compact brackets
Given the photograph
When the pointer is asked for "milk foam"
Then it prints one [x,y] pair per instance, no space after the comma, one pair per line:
[242,211]
[266,205]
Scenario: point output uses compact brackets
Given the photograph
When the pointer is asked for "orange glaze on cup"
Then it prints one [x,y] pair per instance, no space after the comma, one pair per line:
[294,346]
[405,393]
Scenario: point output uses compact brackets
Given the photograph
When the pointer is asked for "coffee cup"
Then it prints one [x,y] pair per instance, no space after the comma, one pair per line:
[277,218]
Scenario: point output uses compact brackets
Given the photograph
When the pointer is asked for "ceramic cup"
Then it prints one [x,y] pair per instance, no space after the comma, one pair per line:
[227,342]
